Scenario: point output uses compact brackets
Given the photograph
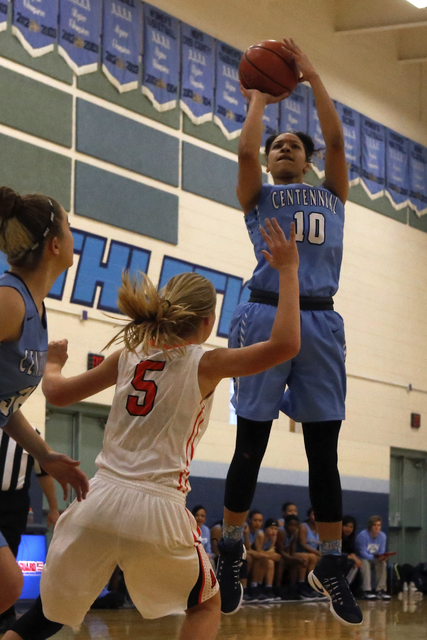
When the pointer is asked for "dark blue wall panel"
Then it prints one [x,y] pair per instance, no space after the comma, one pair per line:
[209,175]
[114,138]
[269,499]
[124,203]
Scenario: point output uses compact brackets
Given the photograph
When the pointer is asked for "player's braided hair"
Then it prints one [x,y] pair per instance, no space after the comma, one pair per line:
[163,319]
[25,224]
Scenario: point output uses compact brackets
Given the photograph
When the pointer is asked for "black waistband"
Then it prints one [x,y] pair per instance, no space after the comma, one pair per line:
[307,303]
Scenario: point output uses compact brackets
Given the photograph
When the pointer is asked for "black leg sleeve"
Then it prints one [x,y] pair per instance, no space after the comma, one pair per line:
[33,625]
[321,444]
[251,443]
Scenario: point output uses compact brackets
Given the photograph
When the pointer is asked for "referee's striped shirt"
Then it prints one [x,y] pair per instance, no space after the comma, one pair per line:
[16,465]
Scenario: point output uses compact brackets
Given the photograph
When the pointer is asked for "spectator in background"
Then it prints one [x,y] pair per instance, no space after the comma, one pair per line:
[370,547]
[199,513]
[308,538]
[253,539]
[15,472]
[288,509]
[296,565]
[354,563]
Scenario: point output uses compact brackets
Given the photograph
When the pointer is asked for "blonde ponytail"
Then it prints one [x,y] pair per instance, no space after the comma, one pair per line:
[163,319]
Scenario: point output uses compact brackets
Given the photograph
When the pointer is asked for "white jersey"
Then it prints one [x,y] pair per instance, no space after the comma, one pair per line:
[157,418]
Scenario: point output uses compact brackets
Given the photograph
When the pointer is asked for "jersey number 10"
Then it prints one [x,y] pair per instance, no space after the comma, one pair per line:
[316,227]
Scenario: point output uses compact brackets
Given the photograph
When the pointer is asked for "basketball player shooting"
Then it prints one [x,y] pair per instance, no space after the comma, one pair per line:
[315,378]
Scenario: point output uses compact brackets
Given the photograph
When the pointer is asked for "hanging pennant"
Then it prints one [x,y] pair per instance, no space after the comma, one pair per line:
[34,23]
[397,169]
[230,105]
[197,74]
[294,110]
[79,34]
[3,16]
[161,58]
[270,122]
[315,131]
[121,50]
[372,136]
[417,177]
[350,120]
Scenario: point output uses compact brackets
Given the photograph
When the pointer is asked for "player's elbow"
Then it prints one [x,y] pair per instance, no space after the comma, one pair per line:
[53,395]
[288,349]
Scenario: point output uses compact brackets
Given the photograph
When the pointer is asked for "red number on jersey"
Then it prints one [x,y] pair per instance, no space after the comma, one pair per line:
[149,386]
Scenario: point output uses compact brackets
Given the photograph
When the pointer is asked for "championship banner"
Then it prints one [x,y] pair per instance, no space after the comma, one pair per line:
[197,74]
[417,177]
[230,105]
[34,23]
[373,157]
[161,58]
[397,169]
[79,34]
[3,16]
[270,122]
[294,110]
[350,120]
[121,43]
[314,130]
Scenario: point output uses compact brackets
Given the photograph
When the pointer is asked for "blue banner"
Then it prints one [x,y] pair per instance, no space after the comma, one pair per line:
[350,120]
[373,157]
[294,110]
[315,132]
[197,74]
[397,169]
[79,34]
[418,177]
[3,16]
[230,105]
[161,58]
[35,23]
[270,122]
[121,42]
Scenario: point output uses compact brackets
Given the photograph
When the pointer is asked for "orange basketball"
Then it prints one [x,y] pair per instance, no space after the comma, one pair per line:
[268,67]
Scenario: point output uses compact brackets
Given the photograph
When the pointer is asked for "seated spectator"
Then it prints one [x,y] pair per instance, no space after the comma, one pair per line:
[295,565]
[288,509]
[308,538]
[354,563]
[370,547]
[253,538]
[199,513]
[216,535]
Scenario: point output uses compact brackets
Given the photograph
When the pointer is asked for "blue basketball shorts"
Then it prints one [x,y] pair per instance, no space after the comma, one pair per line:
[309,388]
[3,542]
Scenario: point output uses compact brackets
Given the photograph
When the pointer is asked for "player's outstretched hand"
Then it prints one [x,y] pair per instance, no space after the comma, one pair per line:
[266,97]
[304,65]
[65,471]
[57,352]
[282,253]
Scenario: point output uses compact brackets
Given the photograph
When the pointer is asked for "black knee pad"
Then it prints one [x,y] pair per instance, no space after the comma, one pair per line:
[34,625]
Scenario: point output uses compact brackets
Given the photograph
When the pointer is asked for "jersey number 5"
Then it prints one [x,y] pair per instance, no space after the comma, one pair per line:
[148,386]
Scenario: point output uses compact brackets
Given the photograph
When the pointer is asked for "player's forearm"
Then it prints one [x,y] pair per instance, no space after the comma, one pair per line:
[22,432]
[251,137]
[330,122]
[286,333]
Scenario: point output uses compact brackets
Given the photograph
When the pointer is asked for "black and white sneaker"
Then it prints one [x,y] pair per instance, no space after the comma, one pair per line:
[383,595]
[228,575]
[328,578]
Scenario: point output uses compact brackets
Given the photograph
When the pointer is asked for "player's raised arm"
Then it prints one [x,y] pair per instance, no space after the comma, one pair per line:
[249,181]
[336,172]
[61,391]
[285,338]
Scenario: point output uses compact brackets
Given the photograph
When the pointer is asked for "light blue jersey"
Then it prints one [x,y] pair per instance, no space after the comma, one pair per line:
[312,386]
[22,362]
[319,222]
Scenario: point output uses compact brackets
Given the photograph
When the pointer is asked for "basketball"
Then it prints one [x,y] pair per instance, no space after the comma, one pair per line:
[268,67]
